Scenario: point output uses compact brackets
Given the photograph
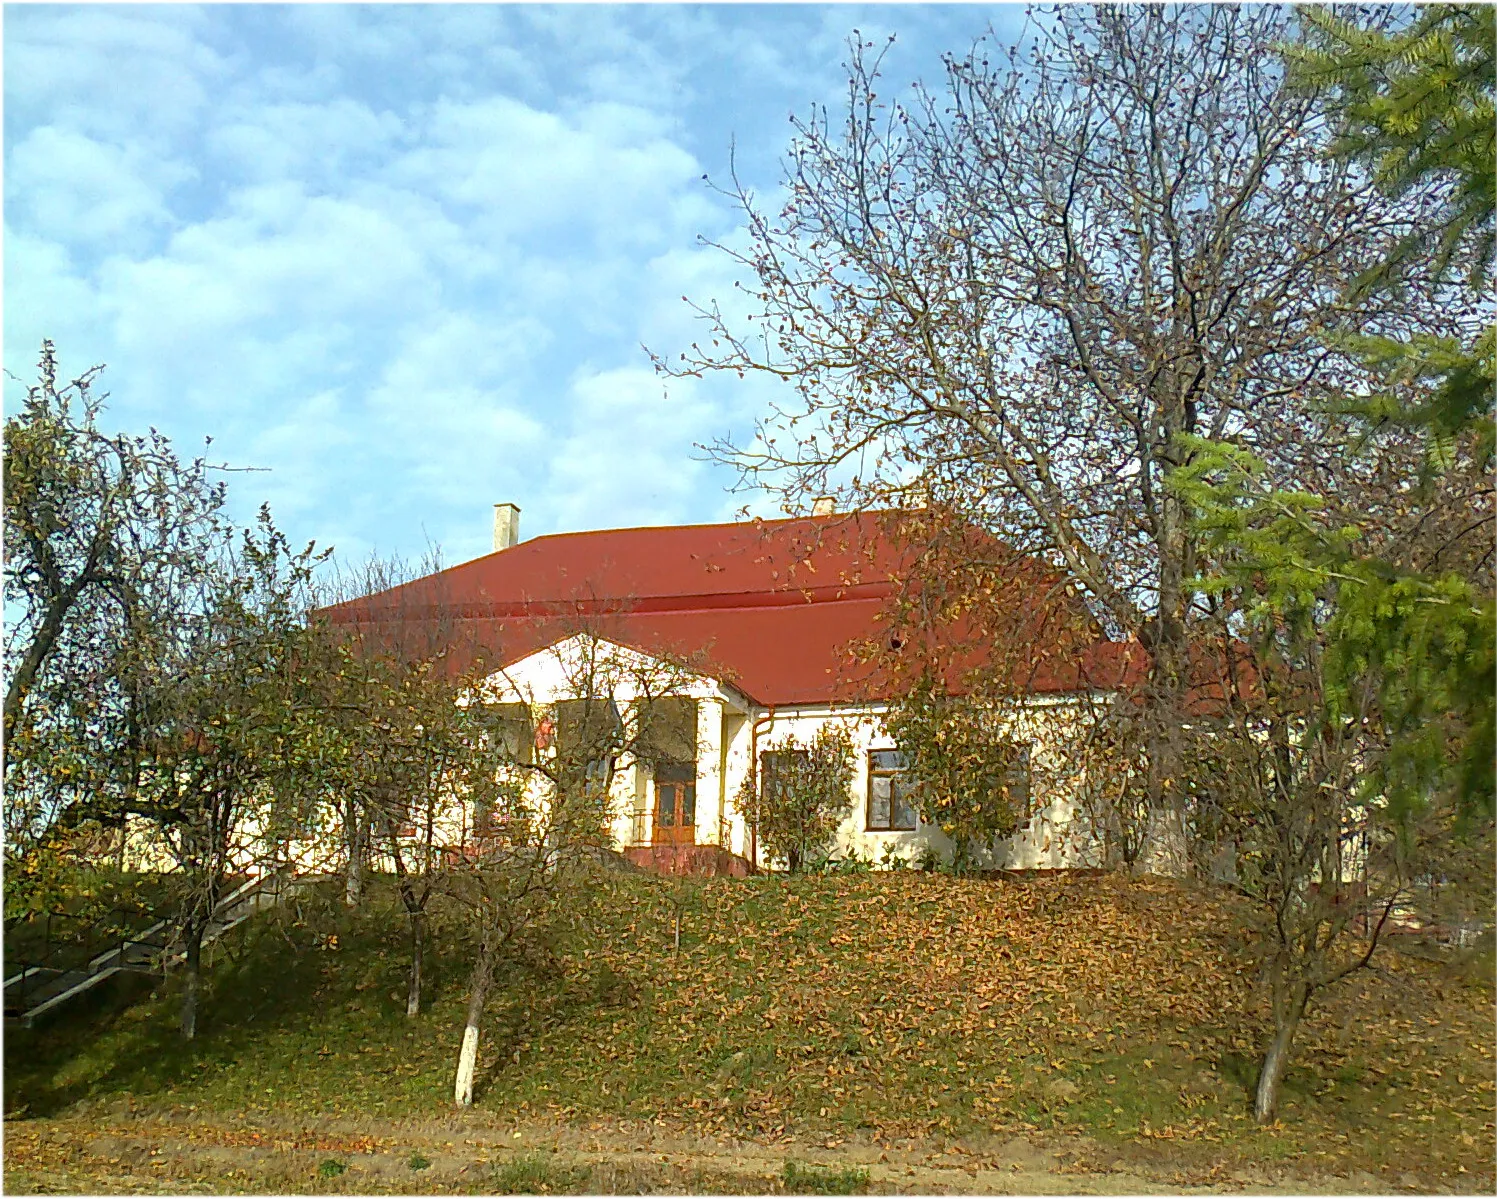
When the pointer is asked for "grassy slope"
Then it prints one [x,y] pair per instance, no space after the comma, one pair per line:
[897,1004]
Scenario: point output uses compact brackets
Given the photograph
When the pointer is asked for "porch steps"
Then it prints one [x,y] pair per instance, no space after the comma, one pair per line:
[705,860]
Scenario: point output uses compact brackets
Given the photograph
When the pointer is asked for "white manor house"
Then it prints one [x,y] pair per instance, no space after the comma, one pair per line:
[775,618]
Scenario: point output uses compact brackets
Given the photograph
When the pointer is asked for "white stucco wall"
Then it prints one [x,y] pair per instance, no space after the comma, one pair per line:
[731,729]
[1054,838]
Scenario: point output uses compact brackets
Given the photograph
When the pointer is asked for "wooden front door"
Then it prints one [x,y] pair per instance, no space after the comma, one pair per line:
[675,804]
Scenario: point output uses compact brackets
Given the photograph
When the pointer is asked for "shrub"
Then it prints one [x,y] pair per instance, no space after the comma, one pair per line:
[971,779]
[803,794]
[817,1180]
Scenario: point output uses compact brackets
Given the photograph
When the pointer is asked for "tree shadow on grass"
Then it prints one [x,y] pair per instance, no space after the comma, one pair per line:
[534,1001]
[271,983]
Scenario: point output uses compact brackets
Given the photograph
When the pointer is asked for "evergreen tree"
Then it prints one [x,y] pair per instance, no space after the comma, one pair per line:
[1368,605]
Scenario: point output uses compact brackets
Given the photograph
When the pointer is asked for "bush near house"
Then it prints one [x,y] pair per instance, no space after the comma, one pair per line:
[802,795]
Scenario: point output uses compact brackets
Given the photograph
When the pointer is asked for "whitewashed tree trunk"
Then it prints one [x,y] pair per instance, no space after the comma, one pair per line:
[467,1066]
[1289,1006]
[467,1058]
[353,881]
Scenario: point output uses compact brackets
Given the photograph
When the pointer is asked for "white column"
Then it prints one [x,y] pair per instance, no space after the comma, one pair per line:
[709,770]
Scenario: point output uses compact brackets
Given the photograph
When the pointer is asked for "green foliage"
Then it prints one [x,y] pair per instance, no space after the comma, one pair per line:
[802,799]
[1424,642]
[971,778]
[1416,102]
[331,1167]
[418,1161]
[1429,642]
[849,863]
[538,1174]
[152,670]
[102,531]
[824,1180]
[1433,384]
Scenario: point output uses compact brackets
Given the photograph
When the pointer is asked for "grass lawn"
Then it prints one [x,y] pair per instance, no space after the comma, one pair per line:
[1103,1016]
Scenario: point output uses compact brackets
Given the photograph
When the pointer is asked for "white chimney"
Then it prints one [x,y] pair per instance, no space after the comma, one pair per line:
[506,525]
[824,505]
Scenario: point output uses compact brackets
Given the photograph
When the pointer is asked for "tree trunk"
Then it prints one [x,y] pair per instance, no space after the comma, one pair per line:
[467,1058]
[1288,1007]
[415,914]
[24,675]
[413,992]
[353,882]
[1168,684]
[192,981]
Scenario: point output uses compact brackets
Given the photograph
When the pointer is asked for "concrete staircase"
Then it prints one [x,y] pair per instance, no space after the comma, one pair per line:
[37,989]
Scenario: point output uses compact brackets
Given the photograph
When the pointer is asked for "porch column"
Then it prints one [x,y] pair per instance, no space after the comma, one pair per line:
[709,771]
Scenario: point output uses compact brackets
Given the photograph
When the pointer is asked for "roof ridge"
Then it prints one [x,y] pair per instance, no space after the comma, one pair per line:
[711,524]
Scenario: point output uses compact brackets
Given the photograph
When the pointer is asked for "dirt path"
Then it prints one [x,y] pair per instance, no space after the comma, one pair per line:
[119,1151]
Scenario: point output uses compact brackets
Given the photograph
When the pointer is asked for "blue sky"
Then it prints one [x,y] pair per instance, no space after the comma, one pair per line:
[404,257]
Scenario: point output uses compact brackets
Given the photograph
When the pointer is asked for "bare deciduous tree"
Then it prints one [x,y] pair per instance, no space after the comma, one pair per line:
[1013,297]
[548,801]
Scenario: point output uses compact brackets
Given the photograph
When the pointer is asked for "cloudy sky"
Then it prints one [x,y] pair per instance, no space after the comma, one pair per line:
[404,257]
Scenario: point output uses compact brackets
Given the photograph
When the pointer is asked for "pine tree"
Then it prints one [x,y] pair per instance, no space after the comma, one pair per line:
[1416,106]
[1369,607]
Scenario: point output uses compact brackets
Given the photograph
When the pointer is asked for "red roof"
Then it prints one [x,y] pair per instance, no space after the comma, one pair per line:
[773,608]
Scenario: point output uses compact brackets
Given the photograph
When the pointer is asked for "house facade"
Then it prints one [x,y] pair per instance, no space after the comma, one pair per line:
[768,631]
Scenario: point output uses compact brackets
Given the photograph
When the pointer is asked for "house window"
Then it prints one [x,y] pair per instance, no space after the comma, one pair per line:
[889,788]
[778,768]
[589,733]
[510,726]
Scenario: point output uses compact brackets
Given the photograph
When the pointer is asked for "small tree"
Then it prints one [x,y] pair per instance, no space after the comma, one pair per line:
[971,774]
[802,795]
[548,807]
[395,732]
[223,717]
[101,531]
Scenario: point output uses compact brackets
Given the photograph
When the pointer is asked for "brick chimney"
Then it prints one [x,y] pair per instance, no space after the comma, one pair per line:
[824,505]
[506,525]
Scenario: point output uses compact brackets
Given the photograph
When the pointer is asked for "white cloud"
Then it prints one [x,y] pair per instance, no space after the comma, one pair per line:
[516,171]
[403,256]
[48,298]
[626,456]
[317,144]
[112,72]
[70,186]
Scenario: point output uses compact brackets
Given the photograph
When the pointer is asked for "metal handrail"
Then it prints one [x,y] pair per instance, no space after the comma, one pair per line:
[97,959]
[87,948]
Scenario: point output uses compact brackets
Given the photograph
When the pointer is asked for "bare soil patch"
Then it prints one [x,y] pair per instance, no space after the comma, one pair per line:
[145,1152]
